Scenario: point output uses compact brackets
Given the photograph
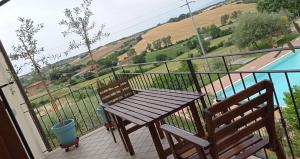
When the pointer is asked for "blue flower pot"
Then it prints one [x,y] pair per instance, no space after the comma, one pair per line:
[101,113]
[66,133]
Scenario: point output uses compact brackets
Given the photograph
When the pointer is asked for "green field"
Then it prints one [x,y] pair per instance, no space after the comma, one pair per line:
[170,52]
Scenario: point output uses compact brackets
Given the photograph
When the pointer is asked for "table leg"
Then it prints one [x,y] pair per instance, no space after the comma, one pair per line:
[196,118]
[125,136]
[156,140]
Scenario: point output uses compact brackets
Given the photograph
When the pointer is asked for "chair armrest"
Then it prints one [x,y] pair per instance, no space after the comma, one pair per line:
[185,136]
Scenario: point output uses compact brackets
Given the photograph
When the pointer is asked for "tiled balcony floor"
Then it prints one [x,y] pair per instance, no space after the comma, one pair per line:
[99,145]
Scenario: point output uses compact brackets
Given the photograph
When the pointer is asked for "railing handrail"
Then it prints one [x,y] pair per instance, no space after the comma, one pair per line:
[211,56]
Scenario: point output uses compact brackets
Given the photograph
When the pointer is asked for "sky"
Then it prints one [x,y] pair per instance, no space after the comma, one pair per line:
[120,17]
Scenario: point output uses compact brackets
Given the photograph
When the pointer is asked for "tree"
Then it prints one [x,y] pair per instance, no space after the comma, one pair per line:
[131,52]
[28,50]
[253,27]
[224,19]
[167,41]
[78,22]
[149,47]
[270,6]
[139,59]
[214,31]
[235,14]
[157,44]
[161,57]
[193,43]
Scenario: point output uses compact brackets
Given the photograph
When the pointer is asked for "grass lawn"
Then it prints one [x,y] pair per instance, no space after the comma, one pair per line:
[170,52]
[218,40]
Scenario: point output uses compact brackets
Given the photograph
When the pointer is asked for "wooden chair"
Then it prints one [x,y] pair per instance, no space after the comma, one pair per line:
[231,128]
[113,93]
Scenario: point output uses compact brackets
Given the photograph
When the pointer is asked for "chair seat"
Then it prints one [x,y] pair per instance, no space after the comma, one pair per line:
[241,149]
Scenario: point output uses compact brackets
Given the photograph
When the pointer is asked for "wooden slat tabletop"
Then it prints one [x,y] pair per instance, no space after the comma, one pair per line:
[152,104]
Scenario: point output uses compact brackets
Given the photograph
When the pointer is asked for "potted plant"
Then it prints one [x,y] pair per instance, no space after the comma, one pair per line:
[28,51]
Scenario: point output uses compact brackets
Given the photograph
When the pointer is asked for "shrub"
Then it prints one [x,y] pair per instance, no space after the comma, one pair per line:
[179,53]
[139,59]
[89,75]
[291,116]
[161,57]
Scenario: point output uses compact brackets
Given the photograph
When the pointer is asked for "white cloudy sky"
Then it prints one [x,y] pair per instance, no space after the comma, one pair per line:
[121,17]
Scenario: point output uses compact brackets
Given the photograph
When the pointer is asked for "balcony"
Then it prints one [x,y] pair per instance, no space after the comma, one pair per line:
[224,78]
[99,144]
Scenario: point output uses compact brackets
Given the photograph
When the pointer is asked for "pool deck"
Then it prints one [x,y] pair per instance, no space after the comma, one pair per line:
[255,65]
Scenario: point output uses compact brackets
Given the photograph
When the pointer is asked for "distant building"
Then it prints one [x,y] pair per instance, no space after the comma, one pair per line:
[35,87]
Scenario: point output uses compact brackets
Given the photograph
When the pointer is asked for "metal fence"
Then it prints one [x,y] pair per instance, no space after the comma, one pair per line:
[189,75]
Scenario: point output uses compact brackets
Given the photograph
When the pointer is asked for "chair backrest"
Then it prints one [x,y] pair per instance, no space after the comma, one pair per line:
[115,91]
[228,123]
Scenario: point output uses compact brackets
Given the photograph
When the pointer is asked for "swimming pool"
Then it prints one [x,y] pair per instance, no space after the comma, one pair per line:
[289,62]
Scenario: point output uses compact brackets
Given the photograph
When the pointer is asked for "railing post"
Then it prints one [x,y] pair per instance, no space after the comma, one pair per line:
[114,73]
[228,74]
[194,77]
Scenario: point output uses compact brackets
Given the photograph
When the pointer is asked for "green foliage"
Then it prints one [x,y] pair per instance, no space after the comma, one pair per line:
[194,43]
[224,19]
[214,31]
[108,62]
[139,59]
[76,79]
[235,14]
[89,75]
[253,27]
[171,52]
[78,21]
[167,41]
[178,53]
[131,52]
[180,17]
[149,47]
[287,38]
[39,102]
[157,44]
[161,57]
[225,32]
[291,117]
[270,6]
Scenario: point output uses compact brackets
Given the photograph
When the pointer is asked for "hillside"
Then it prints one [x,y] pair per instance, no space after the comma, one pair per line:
[184,28]
[102,51]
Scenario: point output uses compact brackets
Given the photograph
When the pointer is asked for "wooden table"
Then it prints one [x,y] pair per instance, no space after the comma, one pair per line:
[148,107]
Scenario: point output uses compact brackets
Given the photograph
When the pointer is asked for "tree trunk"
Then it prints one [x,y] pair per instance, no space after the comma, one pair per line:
[52,101]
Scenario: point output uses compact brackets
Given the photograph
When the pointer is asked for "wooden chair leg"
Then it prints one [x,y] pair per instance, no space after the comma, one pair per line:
[125,136]
[111,127]
[279,150]
[160,132]
[113,135]
[120,134]
[172,147]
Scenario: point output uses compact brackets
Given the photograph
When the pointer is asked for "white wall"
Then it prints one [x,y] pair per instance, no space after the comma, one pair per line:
[22,115]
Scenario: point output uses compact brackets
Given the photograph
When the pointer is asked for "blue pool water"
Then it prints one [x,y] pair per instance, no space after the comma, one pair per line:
[289,62]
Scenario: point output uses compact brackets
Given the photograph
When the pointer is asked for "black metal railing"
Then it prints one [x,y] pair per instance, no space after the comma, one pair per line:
[189,75]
